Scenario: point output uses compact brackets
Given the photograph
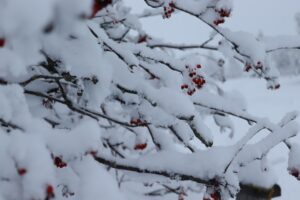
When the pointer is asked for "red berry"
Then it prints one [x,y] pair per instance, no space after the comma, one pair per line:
[49,189]
[198,66]
[49,192]
[168,10]
[192,74]
[219,21]
[294,172]
[191,92]
[199,81]
[215,196]
[143,39]
[172,4]
[59,162]
[2,42]
[22,171]
[141,146]
[137,122]
[247,67]
[99,5]
[184,86]
[224,13]
[96,7]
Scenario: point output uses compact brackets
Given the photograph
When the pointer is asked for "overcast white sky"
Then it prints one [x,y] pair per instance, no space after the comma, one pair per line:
[272,17]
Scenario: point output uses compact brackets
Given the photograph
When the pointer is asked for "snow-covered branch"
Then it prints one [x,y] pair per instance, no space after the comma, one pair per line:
[85,91]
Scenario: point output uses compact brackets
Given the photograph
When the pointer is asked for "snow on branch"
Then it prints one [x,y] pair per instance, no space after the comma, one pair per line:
[89,101]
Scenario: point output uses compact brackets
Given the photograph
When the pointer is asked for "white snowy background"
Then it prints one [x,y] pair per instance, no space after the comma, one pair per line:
[272,17]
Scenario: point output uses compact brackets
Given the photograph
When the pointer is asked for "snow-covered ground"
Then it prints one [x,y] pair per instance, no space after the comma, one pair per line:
[273,105]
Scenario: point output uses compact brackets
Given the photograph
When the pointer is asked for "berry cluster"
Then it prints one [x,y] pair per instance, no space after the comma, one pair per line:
[168,10]
[273,85]
[222,14]
[195,80]
[258,66]
[59,162]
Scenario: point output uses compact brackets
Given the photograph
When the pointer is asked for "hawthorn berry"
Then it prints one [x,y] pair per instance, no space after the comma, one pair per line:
[199,81]
[274,87]
[192,74]
[212,196]
[184,86]
[295,172]
[172,4]
[99,5]
[22,171]
[277,86]
[215,196]
[2,42]
[136,122]
[49,192]
[168,10]
[219,21]
[195,80]
[142,39]
[141,146]
[191,92]
[96,8]
[247,67]
[223,12]
[59,162]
